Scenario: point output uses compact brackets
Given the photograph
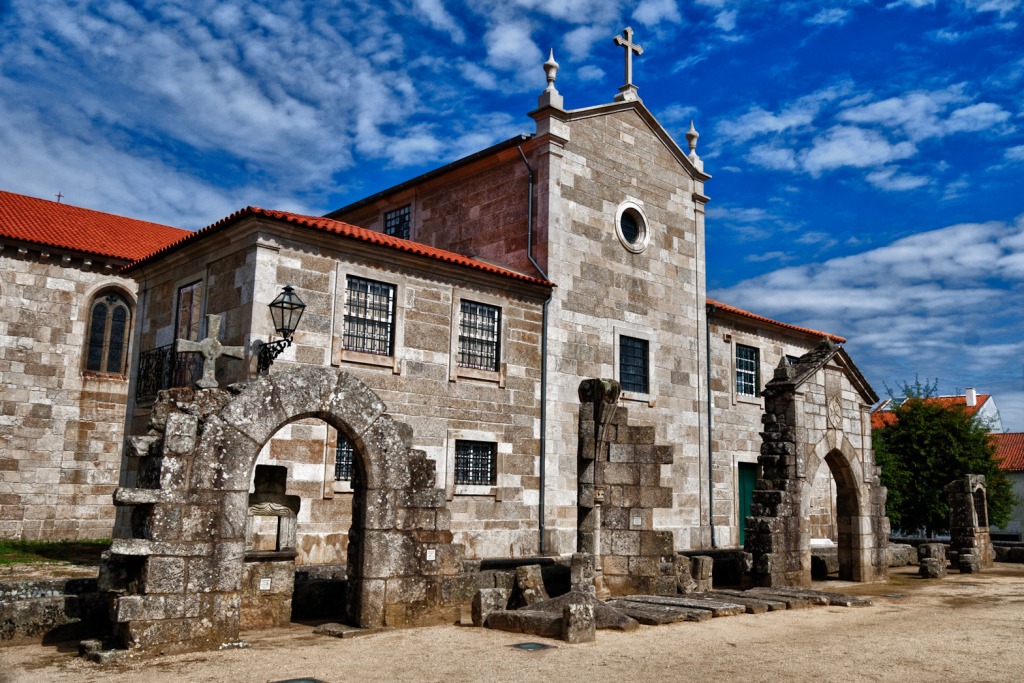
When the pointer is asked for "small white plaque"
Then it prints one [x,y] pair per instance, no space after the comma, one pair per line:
[638,520]
[265,584]
[431,554]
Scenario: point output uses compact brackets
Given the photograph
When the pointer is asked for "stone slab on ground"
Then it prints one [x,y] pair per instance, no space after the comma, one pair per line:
[744,597]
[818,597]
[791,601]
[656,615]
[605,617]
[717,608]
[529,621]
[753,605]
[342,630]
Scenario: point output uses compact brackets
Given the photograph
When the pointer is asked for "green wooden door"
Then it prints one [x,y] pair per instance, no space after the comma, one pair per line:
[748,477]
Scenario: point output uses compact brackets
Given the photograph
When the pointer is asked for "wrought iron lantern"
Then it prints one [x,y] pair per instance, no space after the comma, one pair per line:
[286,312]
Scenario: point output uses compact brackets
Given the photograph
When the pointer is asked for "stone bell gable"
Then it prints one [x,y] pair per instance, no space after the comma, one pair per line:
[817,414]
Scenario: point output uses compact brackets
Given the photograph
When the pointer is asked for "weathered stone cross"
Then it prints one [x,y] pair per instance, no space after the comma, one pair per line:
[210,349]
[631,47]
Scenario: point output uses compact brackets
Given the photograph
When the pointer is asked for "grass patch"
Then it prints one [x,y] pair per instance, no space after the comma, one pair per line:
[75,552]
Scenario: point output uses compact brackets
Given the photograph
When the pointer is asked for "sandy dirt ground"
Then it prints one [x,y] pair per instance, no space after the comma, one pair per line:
[961,628]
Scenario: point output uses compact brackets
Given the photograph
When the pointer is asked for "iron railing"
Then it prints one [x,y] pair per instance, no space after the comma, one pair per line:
[161,368]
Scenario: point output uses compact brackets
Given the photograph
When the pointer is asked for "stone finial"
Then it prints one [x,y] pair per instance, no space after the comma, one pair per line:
[550,71]
[550,97]
[691,139]
[784,371]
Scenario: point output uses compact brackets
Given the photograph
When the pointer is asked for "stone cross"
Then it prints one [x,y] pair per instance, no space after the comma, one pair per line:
[631,47]
[210,349]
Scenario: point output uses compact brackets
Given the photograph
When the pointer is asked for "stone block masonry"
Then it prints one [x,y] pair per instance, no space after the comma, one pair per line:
[61,425]
[184,581]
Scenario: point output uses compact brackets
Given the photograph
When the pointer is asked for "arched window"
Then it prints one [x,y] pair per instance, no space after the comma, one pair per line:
[109,326]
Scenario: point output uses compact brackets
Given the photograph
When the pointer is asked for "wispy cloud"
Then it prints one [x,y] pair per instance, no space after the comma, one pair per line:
[831,15]
[937,303]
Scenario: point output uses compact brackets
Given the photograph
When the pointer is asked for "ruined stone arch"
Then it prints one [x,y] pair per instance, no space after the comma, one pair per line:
[197,464]
[814,411]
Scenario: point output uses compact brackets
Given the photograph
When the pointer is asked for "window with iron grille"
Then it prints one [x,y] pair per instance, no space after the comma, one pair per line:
[369,316]
[747,361]
[633,364]
[397,222]
[479,336]
[343,454]
[475,462]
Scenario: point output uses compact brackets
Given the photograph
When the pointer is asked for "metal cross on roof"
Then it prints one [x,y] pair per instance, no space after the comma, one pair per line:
[630,47]
[210,349]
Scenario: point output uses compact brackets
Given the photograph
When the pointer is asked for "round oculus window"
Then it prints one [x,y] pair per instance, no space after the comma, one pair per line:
[631,227]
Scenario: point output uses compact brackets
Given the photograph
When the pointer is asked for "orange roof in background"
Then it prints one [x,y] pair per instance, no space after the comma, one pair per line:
[882,418]
[346,230]
[1010,451]
[63,226]
[884,415]
[760,318]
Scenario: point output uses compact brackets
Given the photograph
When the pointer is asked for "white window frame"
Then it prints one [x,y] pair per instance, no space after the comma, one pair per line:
[341,355]
[455,371]
[737,397]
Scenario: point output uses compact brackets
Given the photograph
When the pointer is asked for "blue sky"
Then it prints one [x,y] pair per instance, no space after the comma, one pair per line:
[867,156]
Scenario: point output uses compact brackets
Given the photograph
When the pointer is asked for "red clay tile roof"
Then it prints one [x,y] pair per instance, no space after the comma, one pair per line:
[882,418]
[51,224]
[345,230]
[884,415]
[1010,451]
[760,318]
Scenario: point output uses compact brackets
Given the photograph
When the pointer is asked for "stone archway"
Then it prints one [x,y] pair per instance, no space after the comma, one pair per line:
[816,414]
[177,580]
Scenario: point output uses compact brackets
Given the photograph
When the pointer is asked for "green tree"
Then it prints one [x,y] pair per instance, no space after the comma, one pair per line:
[927,446]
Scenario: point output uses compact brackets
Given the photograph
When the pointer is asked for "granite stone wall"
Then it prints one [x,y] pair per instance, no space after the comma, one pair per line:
[61,426]
[420,382]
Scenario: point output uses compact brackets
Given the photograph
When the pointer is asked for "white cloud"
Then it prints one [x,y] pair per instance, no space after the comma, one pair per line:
[775,158]
[726,20]
[590,73]
[509,46]
[828,16]
[926,114]
[890,179]
[653,12]
[798,114]
[1015,153]
[851,146]
[439,18]
[580,41]
[921,305]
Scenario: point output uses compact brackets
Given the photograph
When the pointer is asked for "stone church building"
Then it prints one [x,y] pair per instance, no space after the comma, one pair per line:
[484,304]
[475,300]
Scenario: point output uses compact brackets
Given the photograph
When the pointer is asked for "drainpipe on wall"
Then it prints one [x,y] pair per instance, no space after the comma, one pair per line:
[543,355]
[709,311]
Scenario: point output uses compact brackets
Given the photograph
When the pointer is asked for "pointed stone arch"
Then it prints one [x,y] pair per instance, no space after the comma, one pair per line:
[178,578]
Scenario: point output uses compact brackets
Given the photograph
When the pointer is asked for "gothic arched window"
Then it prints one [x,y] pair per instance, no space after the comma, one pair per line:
[110,321]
